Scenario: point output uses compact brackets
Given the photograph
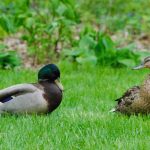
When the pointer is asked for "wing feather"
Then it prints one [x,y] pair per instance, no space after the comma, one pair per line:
[16,90]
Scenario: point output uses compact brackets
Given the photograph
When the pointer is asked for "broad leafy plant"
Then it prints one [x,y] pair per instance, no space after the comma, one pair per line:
[8,58]
[100,49]
[46,26]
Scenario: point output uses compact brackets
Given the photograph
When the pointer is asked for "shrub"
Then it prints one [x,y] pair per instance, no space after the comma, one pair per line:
[100,49]
[8,59]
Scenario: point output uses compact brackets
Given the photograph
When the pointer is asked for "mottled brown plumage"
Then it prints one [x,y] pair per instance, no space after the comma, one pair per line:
[136,99]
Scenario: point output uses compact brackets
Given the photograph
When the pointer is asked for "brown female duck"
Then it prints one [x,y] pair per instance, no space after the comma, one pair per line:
[41,97]
[136,99]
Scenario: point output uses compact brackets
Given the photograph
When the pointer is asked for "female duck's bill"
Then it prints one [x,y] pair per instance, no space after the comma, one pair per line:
[144,64]
[139,67]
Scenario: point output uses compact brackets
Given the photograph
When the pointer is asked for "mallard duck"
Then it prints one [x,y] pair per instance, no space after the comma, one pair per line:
[136,99]
[41,97]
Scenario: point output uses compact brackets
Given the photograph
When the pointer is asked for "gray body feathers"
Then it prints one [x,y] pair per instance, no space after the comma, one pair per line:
[30,98]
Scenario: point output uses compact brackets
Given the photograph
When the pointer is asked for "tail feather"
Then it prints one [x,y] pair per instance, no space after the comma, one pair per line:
[113,110]
[128,98]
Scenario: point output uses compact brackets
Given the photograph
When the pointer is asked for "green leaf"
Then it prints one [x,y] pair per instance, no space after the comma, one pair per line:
[3,33]
[127,62]
[9,59]
[105,46]
[87,42]
[2,47]
[61,9]
[55,4]
[90,59]
[29,22]
[74,52]
[52,26]
[7,23]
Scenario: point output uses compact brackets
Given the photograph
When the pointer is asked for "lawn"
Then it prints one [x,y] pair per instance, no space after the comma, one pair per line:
[83,120]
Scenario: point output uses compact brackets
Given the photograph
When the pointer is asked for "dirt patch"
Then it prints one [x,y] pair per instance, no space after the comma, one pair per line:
[141,42]
[14,43]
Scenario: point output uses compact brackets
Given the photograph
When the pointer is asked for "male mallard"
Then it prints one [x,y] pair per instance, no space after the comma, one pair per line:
[136,99]
[41,97]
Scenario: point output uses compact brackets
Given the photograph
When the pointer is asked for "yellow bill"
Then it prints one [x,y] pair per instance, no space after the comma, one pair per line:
[58,83]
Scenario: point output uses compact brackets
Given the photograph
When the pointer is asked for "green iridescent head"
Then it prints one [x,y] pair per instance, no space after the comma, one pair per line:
[50,73]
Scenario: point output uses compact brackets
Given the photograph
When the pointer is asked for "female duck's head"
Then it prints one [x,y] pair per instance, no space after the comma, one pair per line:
[144,64]
[50,73]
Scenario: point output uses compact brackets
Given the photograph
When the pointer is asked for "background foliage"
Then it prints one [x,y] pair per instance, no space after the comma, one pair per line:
[79,31]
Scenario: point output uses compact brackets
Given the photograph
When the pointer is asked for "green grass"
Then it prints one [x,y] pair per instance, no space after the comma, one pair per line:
[83,120]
